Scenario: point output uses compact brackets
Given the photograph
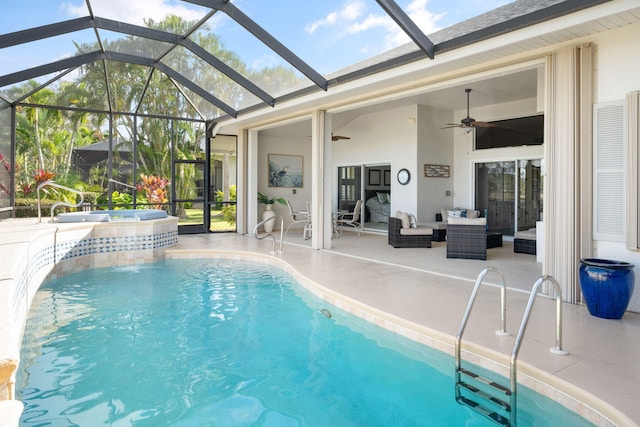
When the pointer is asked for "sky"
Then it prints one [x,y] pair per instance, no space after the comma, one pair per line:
[327,34]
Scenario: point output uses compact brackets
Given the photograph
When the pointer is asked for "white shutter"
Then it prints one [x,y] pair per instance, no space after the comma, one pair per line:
[608,172]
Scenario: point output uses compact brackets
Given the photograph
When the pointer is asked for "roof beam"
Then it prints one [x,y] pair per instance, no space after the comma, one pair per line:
[76,61]
[43,32]
[150,33]
[261,34]
[408,26]
[148,62]
[39,33]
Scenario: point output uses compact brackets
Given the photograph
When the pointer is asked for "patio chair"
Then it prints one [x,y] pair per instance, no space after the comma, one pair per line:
[296,217]
[306,233]
[400,236]
[351,218]
[467,238]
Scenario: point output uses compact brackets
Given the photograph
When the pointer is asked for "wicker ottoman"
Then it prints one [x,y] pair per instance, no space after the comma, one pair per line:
[524,242]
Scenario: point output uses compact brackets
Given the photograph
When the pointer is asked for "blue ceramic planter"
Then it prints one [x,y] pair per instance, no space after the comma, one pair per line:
[607,286]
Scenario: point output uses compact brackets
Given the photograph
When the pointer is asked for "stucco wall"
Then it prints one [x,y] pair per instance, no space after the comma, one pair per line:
[384,138]
[617,65]
[290,146]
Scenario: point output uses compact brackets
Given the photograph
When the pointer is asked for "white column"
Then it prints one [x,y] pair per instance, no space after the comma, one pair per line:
[567,178]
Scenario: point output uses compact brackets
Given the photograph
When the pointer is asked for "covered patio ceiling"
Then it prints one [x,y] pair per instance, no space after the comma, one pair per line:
[204,53]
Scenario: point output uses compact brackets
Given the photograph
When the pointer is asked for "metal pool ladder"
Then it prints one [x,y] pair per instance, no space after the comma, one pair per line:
[259,236]
[496,401]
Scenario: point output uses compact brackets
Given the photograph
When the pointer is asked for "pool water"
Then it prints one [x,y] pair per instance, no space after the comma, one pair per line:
[227,343]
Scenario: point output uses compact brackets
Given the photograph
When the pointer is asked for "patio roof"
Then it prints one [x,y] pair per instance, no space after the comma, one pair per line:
[213,81]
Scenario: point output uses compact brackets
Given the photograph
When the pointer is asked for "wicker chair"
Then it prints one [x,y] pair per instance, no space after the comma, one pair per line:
[398,240]
[467,238]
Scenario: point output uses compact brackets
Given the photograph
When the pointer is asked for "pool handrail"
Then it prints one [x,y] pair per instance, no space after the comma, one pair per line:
[51,183]
[260,237]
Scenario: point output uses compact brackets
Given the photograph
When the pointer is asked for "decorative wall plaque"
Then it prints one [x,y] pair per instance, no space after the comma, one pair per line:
[436,171]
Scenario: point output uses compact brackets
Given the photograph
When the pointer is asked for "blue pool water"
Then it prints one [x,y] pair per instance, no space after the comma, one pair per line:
[226,343]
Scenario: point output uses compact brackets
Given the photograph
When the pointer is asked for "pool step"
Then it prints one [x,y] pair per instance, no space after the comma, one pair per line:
[494,395]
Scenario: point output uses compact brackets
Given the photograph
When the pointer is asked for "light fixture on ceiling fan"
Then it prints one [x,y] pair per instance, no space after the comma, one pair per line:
[468,123]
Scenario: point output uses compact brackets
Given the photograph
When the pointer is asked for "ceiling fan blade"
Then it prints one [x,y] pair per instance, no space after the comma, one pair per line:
[451,125]
[484,124]
[339,137]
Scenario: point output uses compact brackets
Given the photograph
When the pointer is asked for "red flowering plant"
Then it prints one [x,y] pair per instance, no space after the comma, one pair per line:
[39,177]
[43,176]
[155,188]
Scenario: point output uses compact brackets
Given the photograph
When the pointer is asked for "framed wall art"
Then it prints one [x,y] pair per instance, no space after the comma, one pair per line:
[286,171]
[374,177]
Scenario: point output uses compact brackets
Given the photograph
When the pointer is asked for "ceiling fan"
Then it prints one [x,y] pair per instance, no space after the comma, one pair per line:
[338,137]
[469,122]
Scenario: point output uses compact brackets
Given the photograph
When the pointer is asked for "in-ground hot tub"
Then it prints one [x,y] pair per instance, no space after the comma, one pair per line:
[124,215]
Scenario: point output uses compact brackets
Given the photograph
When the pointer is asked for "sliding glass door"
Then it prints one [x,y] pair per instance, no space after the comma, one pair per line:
[349,187]
[509,193]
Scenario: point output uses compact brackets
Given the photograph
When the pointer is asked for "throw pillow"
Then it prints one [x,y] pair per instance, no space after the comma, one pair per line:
[413,220]
[382,198]
[472,214]
[406,221]
[454,214]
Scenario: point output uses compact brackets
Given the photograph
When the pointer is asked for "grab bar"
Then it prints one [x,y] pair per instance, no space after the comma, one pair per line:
[260,237]
[55,205]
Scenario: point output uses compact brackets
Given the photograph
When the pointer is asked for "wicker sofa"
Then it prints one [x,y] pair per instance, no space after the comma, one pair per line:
[407,237]
[467,238]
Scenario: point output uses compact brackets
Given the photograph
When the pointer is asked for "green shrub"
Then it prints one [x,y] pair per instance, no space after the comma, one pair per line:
[28,208]
[229,213]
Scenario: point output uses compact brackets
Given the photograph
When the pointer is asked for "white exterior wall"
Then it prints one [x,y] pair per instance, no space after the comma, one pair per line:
[617,65]
[435,146]
[386,137]
[290,146]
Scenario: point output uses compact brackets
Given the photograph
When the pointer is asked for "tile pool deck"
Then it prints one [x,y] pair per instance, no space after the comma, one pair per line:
[603,365]
[421,294]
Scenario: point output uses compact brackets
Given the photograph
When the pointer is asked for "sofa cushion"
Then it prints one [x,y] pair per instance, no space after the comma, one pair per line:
[467,221]
[420,231]
[529,234]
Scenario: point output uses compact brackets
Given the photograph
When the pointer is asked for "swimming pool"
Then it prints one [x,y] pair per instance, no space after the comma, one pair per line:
[112,215]
[221,342]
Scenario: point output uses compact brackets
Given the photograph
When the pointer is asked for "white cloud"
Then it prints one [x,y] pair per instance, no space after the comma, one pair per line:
[352,20]
[349,13]
[421,16]
[134,12]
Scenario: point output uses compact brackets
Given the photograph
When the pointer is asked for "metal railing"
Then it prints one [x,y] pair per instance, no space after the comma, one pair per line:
[61,203]
[263,236]
[523,326]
